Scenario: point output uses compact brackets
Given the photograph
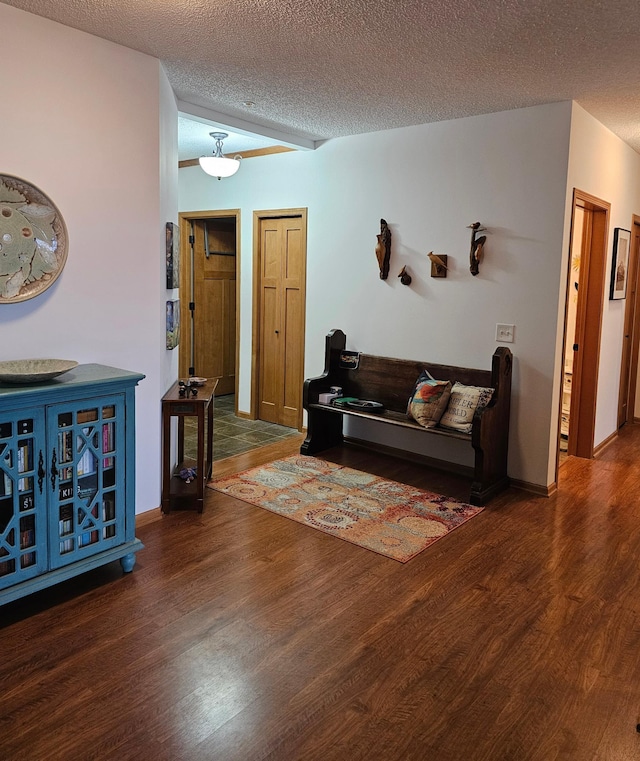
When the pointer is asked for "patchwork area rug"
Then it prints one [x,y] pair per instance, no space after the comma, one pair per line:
[390,518]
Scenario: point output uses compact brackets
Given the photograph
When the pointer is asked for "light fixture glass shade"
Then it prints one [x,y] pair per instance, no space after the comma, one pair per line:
[219,165]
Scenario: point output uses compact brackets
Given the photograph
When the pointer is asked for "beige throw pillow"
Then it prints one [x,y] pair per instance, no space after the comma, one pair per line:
[463,403]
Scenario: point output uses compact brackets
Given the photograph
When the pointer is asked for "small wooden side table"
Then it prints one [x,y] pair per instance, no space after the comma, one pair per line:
[177,493]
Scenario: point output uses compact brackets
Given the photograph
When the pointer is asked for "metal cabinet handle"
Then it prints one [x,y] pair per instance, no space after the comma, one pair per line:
[54,471]
[41,471]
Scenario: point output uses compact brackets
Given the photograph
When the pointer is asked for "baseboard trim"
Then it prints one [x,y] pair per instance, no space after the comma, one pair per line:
[538,489]
[415,457]
[149,516]
[249,416]
[604,444]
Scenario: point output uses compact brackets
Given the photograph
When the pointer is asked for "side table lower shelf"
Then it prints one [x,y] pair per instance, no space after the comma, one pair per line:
[176,493]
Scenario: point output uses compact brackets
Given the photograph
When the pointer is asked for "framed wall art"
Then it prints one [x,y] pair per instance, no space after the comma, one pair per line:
[173,255]
[33,240]
[620,263]
[173,324]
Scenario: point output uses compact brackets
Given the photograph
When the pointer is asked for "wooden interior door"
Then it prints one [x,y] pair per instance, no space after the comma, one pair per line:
[629,364]
[213,301]
[586,357]
[281,270]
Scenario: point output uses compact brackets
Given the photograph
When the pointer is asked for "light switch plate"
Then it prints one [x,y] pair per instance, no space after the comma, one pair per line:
[505,333]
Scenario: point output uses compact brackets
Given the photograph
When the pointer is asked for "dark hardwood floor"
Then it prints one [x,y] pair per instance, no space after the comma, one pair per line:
[242,635]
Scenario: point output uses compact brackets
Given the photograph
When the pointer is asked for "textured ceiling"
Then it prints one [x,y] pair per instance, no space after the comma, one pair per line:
[327,68]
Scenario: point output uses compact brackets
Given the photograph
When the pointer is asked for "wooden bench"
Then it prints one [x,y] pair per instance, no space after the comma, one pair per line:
[391,382]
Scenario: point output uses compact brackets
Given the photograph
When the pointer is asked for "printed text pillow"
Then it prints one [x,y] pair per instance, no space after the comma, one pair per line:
[463,403]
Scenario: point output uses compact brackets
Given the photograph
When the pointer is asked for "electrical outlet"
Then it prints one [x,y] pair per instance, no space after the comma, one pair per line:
[505,333]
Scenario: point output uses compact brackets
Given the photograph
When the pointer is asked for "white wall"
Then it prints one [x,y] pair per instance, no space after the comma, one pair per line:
[82,121]
[429,182]
[67,128]
[604,166]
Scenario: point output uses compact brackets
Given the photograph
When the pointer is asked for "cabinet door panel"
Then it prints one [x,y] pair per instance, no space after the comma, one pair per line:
[23,522]
[86,485]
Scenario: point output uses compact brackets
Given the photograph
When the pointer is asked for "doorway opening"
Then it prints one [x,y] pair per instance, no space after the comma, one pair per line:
[631,335]
[210,263]
[583,323]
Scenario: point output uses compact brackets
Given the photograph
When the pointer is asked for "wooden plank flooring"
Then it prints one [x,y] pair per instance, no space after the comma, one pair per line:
[242,635]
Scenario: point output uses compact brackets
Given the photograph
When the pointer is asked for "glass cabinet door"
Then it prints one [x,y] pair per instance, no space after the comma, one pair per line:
[86,478]
[23,527]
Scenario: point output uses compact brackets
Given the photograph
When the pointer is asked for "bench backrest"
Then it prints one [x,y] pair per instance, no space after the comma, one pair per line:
[391,381]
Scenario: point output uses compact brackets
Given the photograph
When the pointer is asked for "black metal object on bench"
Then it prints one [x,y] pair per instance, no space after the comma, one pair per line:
[391,382]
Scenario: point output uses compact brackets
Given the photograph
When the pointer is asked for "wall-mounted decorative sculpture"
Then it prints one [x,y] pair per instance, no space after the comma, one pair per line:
[439,264]
[383,249]
[405,277]
[33,240]
[477,247]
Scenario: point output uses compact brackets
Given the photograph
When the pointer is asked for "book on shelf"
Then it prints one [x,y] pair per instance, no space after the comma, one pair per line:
[108,509]
[65,524]
[87,416]
[6,485]
[65,446]
[86,463]
[66,546]
[65,528]
[65,491]
[88,537]
[26,501]
[27,540]
[107,444]
[24,463]
[87,485]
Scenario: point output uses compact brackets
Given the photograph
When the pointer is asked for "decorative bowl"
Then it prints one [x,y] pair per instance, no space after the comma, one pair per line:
[197,381]
[33,370]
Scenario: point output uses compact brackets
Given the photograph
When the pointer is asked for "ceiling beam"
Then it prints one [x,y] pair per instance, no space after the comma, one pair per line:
[243,154]
[207,116]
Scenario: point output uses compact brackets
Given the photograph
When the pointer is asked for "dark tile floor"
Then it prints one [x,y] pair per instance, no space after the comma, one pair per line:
[234,435]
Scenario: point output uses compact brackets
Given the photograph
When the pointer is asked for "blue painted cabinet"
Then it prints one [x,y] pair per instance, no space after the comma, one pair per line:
[67,477]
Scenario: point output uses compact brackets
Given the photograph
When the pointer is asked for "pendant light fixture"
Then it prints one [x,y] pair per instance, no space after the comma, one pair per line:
[218,165]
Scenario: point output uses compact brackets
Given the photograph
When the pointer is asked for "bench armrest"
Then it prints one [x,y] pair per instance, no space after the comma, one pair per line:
[332,376]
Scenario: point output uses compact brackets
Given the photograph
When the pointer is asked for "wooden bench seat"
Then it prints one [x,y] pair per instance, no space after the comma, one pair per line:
[391,382]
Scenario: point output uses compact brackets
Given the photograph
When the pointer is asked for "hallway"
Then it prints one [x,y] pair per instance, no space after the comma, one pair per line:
[234,435]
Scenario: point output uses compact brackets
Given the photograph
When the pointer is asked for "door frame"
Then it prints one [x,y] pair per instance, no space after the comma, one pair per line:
[582,415]
[258,216]
[631,328]
[184,219]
